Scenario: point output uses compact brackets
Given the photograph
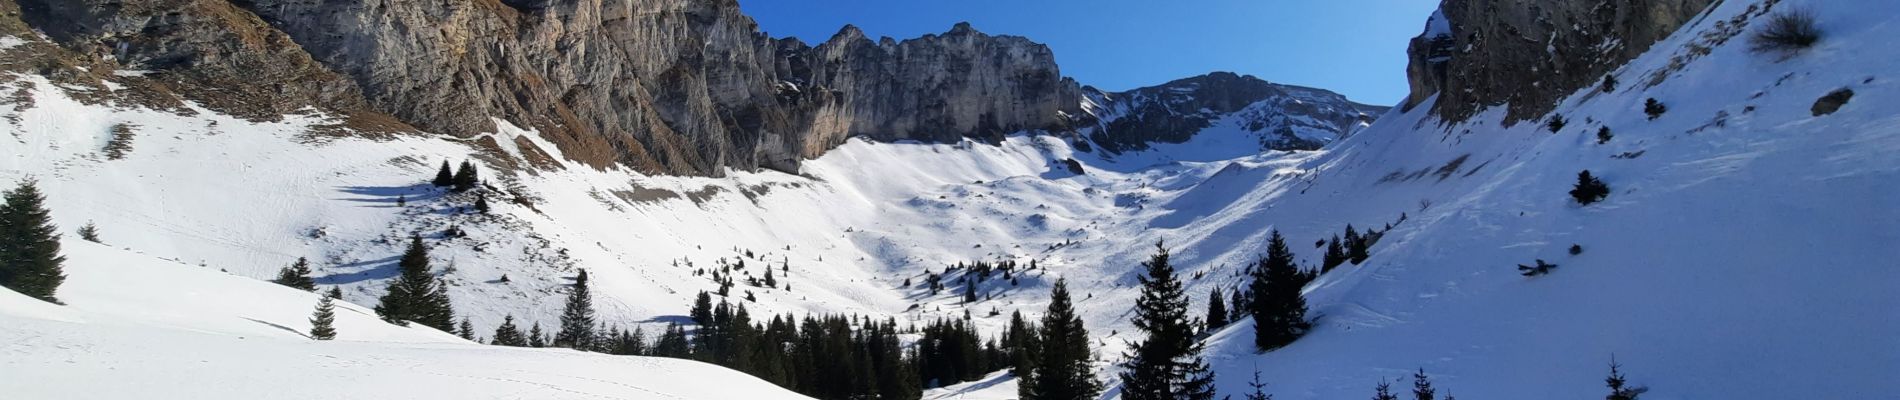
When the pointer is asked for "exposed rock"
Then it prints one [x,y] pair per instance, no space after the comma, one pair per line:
[1287,117]
[1529,54]
[1832,102]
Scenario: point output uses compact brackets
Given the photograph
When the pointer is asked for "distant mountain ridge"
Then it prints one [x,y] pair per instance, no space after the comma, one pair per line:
[677,87]
[1285,117]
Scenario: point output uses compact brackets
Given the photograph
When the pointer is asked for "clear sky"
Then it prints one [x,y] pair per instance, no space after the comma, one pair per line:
[1355,47]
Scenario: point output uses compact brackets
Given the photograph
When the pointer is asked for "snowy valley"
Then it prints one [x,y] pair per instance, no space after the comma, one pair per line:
[1744,249]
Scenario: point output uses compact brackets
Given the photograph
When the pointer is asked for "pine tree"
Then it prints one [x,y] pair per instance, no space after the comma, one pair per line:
[465,178]
[702,312]
[1335,255]
[1063,371]
[969,291]
[1216,310]
[1159,366]
[1589,189]
[466,330]
[1259,388]
[1422,386]
[323,321]
[443,178]
[769,281]
[297,275]
[672,343]
[336,292]
[508,334]
[1359,248]
[1619,387]
[1279,311]
[1654,108]
[1384,392]
[577,318]
[481,203]
[416,295]
[89,232]
[29,244]
[1021,343]
[535,337]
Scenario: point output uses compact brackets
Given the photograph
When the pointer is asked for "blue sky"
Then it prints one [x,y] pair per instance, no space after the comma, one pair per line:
[1355,47]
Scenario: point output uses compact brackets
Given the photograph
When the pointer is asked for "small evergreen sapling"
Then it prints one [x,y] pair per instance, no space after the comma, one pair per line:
[1259,388]
[1576,249]
[1556,123]
[1422,386]
[1609,83]
[1619,387]
[89,232]
[1603,135]
[1384,391]
[323,320]
[1654,108]
[481,204]
[1589,189]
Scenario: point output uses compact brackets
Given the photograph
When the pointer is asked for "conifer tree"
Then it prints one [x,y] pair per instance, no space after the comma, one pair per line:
[1422,386]
[1589,189]
[1619,387]
[297,275]
[416,295]
[323,320]
[1384,391]
[1335,255]
[1216,310]
[1259,388]
[90,232]
[508,334]
[535,337]
[29,244]
[1022,345]
[769,281]
[466,330]
[672,343]
[443,178]
[402,200]
[702,312]
[1162,366]
[969,291]
[577,318]
[465,178]
[481,203]
[1063,369]
[1279,311]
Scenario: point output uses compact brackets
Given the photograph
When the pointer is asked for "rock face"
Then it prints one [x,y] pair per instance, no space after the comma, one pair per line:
[1285,117]
[1529,54]
[665,86]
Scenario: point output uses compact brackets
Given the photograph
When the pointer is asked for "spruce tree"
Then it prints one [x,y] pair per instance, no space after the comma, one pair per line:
[297,275]
[90,232]
[535,337]
[1279,311]
[466,329]
[416,295]
[443,178]
[29,244]
[969,291]
[1384,391]
[1259,388]
[1063,370]
[1021,343]
[1159,366]
[465,178]
[323,321]
[672,343]
[481,203]
[1589,189]
[702,312]
[1422,386]
[577,318]
[1216,310]
[336,292]
[508,334]
[769,281]
[1619,387]
[1335,255]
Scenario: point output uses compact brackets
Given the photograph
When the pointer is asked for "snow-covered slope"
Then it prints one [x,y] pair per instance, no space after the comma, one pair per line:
[1741,255]
[139,327]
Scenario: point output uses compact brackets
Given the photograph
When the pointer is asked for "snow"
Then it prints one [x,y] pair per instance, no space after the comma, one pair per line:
[1744,256]
[137,326]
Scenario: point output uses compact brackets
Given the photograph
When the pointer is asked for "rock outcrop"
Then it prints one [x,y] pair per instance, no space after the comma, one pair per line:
[664,86]
[1285,117]
[1529,54]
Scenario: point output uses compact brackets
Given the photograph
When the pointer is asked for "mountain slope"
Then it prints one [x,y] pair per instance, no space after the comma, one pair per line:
[135,326]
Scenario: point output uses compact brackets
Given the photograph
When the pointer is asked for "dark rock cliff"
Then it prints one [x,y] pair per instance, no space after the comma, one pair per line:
[1529,54]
